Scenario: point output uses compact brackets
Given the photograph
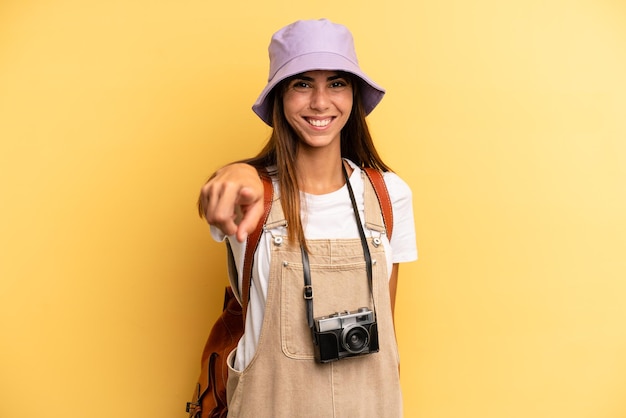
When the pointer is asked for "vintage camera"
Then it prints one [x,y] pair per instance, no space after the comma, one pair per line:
[345,334]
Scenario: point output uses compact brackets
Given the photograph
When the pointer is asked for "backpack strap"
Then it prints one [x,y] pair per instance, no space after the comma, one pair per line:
[378,182]
[253,242]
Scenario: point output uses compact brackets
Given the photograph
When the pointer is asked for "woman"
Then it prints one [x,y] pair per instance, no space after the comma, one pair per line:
[316,101]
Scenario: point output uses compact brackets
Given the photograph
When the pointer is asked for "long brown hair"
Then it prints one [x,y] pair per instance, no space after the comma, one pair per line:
[281,149]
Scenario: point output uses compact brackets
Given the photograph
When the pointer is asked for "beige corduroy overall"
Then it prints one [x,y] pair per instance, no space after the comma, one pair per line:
[283,380]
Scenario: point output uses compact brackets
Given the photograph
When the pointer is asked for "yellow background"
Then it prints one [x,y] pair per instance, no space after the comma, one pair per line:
[508,119]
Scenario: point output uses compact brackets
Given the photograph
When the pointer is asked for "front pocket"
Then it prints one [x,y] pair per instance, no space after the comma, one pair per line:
[336,288]
[233,383]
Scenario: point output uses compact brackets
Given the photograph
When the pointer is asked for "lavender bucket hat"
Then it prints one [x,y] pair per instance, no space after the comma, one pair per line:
[308,45]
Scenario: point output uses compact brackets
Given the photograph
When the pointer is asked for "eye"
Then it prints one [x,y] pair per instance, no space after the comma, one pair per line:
[300,85]
[337,84]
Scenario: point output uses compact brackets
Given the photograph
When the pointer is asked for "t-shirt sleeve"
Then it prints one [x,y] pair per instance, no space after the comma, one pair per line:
[217,234]
[238,250]
[403,242]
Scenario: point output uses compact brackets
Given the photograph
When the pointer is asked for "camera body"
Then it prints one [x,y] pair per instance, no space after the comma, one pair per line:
[345,334]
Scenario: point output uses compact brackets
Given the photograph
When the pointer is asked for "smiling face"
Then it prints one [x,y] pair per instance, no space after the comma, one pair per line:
[317,105]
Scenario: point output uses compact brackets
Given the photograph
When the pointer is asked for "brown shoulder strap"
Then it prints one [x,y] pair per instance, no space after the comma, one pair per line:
[377,180]
[253,242]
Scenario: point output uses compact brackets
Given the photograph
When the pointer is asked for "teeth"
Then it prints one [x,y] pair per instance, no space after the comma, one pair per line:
[319,123]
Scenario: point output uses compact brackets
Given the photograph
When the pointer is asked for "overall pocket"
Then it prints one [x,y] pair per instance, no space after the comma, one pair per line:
[336,288]
[232,384]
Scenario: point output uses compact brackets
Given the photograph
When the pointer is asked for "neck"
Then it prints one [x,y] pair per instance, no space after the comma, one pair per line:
[320,174]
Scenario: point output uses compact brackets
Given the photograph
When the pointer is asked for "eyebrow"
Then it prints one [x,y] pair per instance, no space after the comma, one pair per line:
[307,78]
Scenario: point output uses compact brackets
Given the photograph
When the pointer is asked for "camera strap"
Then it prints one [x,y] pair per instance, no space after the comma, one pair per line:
[306,267]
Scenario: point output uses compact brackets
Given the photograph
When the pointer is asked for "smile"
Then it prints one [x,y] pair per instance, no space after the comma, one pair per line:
[319,123]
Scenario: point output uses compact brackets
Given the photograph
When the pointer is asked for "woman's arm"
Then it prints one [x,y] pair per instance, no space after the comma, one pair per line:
[232,200]
[393,287]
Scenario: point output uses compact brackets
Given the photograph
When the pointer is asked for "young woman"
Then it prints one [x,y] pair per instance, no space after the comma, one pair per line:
[316,100]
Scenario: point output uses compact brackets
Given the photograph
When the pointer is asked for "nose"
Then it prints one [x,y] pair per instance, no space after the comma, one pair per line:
[320,99]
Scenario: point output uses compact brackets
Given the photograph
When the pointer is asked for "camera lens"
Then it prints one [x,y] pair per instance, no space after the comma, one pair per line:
[355,339]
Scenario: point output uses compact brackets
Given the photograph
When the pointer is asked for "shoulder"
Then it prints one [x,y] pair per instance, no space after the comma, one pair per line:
[398,188]
[399,191]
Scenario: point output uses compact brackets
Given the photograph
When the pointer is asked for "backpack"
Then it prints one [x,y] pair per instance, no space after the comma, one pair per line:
[209,398]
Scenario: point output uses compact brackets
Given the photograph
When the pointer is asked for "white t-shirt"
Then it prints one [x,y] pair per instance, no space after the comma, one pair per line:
[324,217]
